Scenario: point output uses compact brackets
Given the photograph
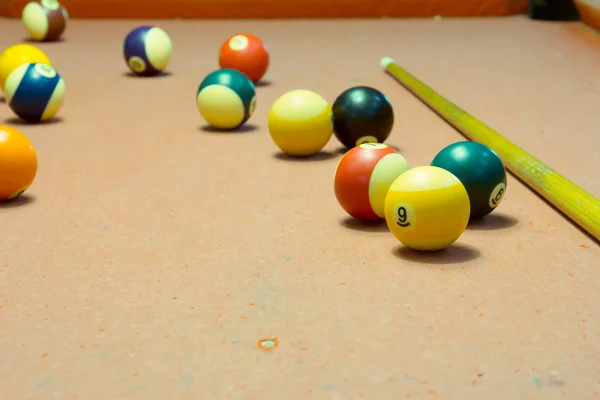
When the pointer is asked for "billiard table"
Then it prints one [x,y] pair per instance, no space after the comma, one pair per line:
[156,258]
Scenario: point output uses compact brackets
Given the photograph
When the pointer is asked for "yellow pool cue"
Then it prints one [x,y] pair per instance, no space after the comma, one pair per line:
[577,204]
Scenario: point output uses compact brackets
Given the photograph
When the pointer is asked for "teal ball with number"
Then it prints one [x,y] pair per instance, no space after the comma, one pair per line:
[35,92]
[226,99]
[480,170]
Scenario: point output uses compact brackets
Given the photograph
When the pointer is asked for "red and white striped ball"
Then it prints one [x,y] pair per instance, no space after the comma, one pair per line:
[45,20]
[363,177]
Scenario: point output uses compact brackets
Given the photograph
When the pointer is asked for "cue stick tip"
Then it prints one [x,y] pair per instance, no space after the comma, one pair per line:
[385,61]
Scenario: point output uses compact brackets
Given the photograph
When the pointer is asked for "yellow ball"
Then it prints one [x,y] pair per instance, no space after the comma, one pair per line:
[300,122]
[17,55]
[427,208]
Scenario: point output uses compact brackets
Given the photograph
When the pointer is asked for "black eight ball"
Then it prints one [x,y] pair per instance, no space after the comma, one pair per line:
[362,114]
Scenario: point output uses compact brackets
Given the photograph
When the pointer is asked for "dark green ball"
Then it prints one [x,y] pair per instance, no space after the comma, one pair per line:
[480,170]
[235,88]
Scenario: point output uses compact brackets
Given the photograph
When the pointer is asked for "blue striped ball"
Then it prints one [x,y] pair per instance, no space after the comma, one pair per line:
[35,92]
[147,50]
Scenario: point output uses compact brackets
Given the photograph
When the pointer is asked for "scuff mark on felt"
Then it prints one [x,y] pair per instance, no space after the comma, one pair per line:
[268,344]
[187,378]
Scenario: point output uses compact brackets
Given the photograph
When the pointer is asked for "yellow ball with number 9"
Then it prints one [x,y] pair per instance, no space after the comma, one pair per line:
[427,208]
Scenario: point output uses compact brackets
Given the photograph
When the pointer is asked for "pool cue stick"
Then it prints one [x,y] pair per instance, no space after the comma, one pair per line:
[577,204]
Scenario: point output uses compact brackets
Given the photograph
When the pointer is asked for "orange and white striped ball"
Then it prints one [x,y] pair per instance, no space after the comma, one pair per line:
[363,177]
[45,20]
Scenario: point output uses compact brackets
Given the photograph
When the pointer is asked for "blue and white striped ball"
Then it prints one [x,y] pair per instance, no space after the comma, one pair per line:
[35,92]
[147,50]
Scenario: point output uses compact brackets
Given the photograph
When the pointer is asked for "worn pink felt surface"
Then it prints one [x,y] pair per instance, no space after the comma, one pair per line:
[151,256]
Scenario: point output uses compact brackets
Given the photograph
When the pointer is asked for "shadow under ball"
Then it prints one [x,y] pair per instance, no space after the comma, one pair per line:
[362,114]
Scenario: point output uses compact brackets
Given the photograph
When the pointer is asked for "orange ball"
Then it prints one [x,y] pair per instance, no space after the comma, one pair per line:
[18,163]
[245,53]
[363,177]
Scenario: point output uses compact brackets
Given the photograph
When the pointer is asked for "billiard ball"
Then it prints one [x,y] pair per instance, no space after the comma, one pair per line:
[147,50]
[45,20]
[362,114]
[226,99]
[35,92]
[427,208]
[480,170]
[18,163]
[18,55]
[362,179]
[245,53]
[300,122]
